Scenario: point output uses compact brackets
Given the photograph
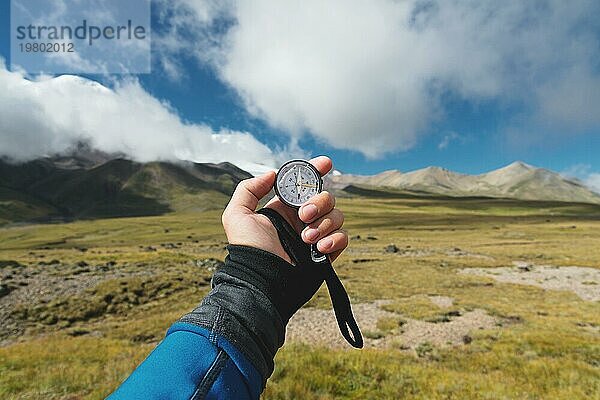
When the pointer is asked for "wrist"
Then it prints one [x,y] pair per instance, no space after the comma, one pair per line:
[253,296]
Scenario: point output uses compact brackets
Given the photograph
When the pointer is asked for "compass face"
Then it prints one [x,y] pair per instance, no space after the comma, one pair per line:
[296,182]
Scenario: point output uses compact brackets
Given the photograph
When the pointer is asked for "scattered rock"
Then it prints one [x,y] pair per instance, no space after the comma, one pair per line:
[149,248]
[547,277]
[211,264]
[316,326]
[10,263]
[82,264]
[5,289]
[391,248]
[51,262]
[371,238]
[513,319]
[80,271]
[364,260]
[78,332]
[523,266]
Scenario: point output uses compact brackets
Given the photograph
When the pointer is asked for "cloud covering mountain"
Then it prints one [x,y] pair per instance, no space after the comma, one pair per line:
[48,115]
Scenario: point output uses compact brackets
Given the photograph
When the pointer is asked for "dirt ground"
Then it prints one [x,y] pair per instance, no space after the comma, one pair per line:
[583,281]
[316,326]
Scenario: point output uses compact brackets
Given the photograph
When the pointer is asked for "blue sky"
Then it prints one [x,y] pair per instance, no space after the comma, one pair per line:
[473,129]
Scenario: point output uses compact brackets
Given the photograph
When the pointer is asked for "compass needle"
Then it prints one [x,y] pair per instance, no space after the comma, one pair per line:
[297,181]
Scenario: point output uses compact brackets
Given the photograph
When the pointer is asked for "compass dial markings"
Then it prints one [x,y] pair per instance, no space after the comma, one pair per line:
[297,182]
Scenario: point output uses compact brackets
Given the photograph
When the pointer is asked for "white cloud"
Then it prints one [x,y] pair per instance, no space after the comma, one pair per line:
[372,75]
[583,172]
[448,138]
[48,115]
[593,182]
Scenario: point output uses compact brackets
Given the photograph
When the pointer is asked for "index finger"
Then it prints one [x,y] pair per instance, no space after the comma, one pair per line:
[323,164]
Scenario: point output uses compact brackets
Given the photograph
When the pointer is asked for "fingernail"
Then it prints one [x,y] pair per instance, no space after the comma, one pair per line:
[325,244]
[311,234]
[309,211]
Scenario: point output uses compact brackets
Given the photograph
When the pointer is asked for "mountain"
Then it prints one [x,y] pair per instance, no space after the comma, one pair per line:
[85,183]
[517,180]
[93,185]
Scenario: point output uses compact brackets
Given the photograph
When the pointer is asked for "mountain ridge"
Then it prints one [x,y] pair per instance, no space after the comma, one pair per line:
[82,187]
[517,180]
[85,183]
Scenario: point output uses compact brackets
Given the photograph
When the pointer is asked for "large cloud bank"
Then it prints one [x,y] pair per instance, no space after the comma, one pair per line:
[372,75]
[48,115]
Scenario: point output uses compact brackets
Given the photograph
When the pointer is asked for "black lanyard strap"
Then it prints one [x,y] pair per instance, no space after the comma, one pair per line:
[299,252]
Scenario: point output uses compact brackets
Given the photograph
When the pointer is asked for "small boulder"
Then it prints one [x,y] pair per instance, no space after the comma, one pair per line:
[391,248]
[524,266]
[10,263]
[4,289]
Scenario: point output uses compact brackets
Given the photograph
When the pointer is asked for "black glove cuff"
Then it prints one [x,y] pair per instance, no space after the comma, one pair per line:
[252,298]
[288,286]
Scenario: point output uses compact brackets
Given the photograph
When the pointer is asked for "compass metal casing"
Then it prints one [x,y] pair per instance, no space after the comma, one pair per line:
[294,195]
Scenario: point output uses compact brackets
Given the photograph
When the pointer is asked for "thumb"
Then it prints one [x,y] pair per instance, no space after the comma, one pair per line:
[248,192]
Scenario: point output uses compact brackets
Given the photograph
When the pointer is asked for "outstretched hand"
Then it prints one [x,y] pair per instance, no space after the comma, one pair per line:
[243,226]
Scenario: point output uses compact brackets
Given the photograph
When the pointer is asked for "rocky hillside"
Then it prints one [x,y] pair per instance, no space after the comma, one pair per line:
[93,186]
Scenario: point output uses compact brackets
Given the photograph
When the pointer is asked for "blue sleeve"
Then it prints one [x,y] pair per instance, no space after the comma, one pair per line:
[225,347]
[192,364]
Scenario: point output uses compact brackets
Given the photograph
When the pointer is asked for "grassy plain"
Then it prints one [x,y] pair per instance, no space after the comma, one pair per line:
[142,273]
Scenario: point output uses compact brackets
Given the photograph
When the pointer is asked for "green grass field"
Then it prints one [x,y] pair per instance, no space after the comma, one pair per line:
[138,275]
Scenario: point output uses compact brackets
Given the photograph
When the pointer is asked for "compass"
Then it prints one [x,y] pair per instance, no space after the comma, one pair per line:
[296,182]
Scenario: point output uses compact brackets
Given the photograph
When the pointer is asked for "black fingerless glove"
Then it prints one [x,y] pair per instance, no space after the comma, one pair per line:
[255,294]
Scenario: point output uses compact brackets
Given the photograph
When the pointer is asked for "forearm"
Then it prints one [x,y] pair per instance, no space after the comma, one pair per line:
[242,319]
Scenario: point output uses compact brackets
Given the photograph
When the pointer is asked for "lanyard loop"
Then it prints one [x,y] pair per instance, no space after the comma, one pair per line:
[300,253]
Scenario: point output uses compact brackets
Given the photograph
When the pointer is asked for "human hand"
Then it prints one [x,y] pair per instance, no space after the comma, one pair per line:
[243,226]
